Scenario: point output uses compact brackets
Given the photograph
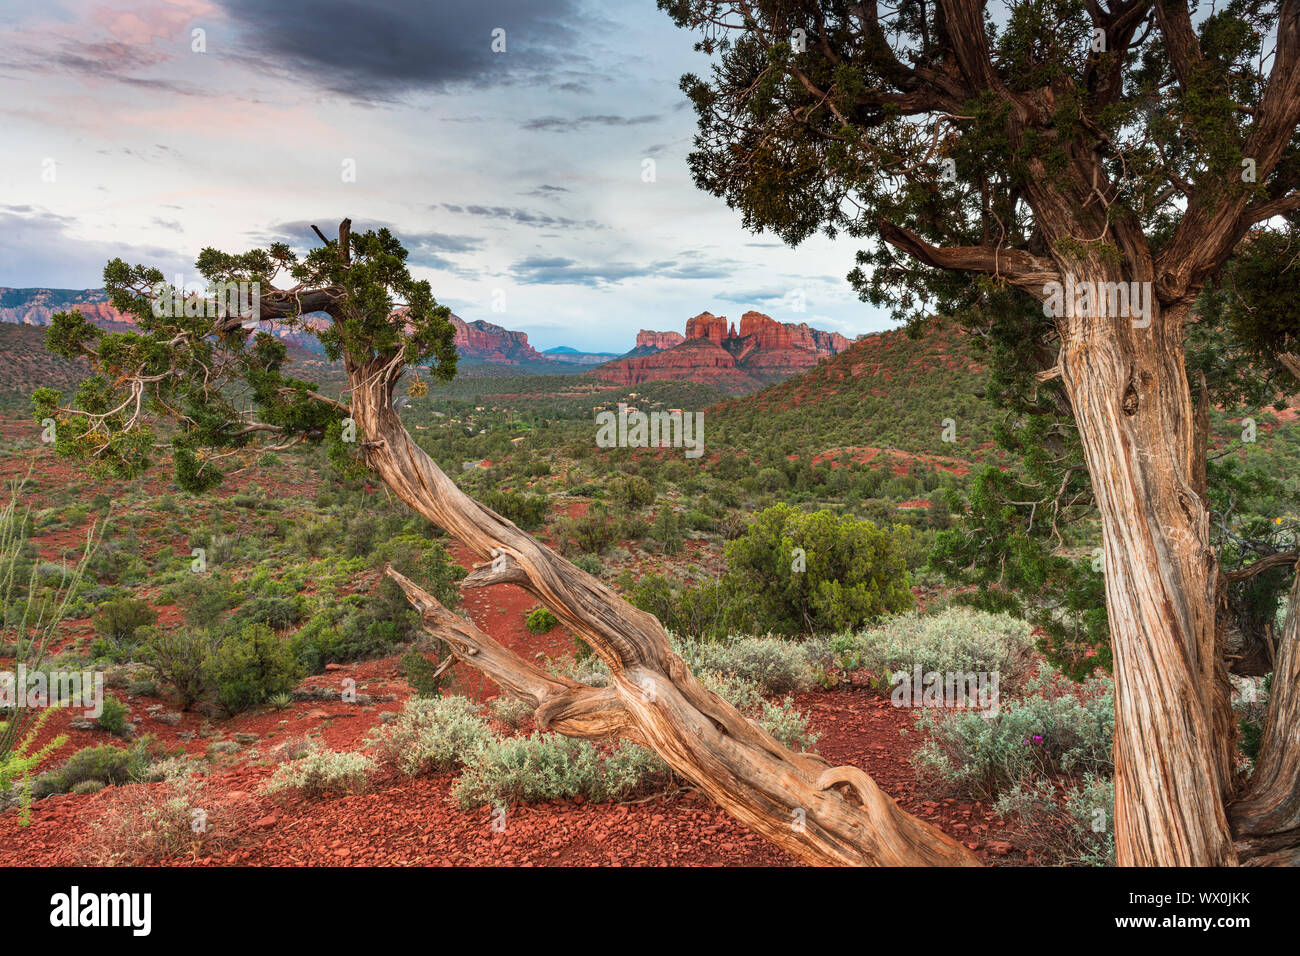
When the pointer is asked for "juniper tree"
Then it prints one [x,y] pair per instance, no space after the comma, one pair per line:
[212,390]
[983,154]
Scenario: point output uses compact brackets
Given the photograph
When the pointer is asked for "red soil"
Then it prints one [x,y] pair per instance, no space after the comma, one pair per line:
[415,822]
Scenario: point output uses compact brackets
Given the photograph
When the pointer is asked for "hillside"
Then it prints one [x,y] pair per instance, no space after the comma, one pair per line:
[27,365]
[885,391]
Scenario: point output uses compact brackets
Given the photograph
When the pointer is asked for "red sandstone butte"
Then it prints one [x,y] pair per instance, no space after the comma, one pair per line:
[491,343]
[762,352]
[658,340]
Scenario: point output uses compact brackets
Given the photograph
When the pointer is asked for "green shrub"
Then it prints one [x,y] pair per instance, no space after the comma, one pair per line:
[179,659]
[540,620]
[431,734]
[418,671]
[805,573]
[666,530]
[631,491]
[589,563]
[549,766]
[772,664]
[113,716]
[712,610]
[118,623]
[1057,728]
[320,772]
[526,511]
[511,710]
[1076,831]
[954,640]
[276,613]
[106,763]
[250,665]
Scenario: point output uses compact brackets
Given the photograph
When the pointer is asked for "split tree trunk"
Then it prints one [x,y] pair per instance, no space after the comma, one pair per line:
[1174,730]
[1266,818]
[820,814]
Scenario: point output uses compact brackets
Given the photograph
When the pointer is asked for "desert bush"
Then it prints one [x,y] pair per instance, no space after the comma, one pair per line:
[205,597]
[431,734]
[591,533]
[772,664]
[1058,727]
[527,511]
[549,766]
[769,480]
[248,666]
[782,719]
[118,623]
[276,613]
[666,530]
[320,772]
[113,715]
[712,610]
[954,640]
[152,824]
[511,711]
[418,671]
[540,620]
[631,491]
[589,563]
[1074,828]
[178,658]
[802,573]
[109,765]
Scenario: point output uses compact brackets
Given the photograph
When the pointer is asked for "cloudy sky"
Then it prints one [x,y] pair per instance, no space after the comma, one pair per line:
[151,128]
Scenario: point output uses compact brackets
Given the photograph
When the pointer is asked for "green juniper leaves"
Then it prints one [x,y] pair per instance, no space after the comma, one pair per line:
[206,386]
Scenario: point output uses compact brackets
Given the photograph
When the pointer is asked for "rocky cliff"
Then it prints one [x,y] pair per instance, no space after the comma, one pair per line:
[658,340]
[36,306]
[484,342]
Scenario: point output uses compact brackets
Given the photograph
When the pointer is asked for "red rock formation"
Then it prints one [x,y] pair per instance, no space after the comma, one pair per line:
[708,326]
[659,340]
[764,351]
[696,359]
[767,333]
[491,343]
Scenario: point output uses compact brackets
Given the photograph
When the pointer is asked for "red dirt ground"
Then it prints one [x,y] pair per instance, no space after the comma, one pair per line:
[415,822]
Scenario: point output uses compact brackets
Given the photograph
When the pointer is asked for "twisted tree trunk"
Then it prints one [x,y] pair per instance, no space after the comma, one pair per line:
[1174,731]
[818,813]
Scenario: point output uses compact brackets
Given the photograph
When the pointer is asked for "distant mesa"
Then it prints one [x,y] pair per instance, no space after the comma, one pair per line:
[713,351]
[477,341]
[563,353]
[480,341]
[659,340]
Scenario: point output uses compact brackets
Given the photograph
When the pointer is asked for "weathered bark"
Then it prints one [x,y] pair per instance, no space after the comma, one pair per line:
[1266,818]
[820,814]
[1173,720]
